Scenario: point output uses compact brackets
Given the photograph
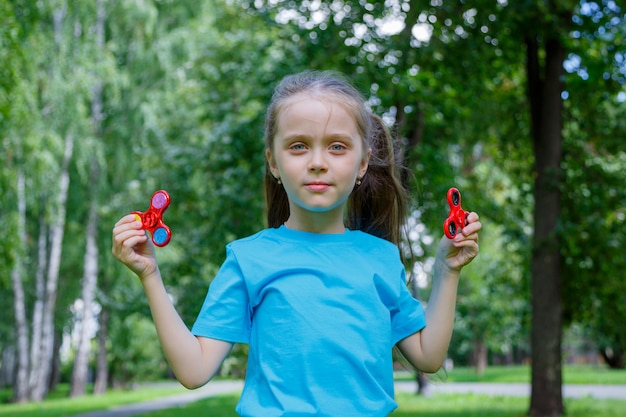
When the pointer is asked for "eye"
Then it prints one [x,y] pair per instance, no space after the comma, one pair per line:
[297,147]
[337,147]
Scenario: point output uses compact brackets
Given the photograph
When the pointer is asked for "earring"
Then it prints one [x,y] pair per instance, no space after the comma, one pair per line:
[358,181]
[278,180]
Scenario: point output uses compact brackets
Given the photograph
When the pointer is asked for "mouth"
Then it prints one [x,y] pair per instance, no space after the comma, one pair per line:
[317,186]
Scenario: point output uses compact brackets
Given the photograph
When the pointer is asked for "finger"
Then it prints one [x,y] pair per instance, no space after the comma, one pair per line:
[127,223]
[127,238]
[470,245]
[472,228]
[463,241]
[472,217]
[470,254]
[129,218]
[466,245]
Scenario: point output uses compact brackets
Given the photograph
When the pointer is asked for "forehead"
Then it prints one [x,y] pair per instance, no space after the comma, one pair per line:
[304,109]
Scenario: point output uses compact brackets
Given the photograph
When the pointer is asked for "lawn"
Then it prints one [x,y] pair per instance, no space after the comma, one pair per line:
[439,405]
[579,374]
[436,406]
[57,404]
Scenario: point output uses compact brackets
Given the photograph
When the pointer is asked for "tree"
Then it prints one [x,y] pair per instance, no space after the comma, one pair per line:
[90,274]
[544,94]
[14,256]
[45,145]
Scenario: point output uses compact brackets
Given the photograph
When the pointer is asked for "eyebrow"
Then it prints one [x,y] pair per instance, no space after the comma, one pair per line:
[331,137]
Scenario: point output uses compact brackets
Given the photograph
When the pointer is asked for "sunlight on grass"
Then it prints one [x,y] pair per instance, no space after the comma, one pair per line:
[56,407]
[470,405]
[219,406]
[441,405]
[521,374]
[454,405]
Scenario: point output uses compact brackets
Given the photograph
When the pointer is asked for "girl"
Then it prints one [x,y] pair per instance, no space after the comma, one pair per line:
[320,296]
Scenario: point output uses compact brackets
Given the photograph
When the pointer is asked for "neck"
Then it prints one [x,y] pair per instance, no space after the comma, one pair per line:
[330,222]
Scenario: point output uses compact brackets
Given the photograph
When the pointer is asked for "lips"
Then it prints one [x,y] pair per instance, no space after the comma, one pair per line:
[317,186]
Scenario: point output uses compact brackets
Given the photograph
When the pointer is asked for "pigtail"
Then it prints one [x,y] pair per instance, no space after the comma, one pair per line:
[378,205]
[276,201]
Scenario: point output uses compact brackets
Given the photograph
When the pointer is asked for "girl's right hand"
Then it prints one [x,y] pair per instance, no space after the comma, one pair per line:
[132,246]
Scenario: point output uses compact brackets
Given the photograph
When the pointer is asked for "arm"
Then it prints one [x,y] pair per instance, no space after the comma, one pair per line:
[426,350]
[194,360]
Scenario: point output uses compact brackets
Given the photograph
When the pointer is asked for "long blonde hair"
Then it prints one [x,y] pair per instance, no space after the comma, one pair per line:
[378,205]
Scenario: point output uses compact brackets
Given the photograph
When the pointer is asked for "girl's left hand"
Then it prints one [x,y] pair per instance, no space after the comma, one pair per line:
[460,251]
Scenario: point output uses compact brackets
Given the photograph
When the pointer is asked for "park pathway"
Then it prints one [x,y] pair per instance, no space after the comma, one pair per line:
[223,387]
[171,401]
[617,392]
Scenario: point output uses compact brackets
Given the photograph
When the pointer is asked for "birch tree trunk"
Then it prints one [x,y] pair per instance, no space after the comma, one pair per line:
[41,369]
[40,290]
[7,376]
[90,274]
[44,367]
[20,392]
[81,361]
[102,367]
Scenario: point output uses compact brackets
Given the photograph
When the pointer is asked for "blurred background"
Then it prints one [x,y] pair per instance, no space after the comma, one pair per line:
[521,105]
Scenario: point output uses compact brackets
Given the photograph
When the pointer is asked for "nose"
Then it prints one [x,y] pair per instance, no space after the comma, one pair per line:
[317,162]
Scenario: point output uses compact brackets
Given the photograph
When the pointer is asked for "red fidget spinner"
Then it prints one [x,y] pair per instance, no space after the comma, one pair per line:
[152,220]
[457,218]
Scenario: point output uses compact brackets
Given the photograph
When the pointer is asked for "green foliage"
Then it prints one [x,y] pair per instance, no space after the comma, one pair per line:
[10,55]
[185,84]
[491,306]
[593,202]
[134,351]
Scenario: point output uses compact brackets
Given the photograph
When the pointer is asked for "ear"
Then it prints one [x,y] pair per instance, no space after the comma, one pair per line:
[365,163]
[271,162]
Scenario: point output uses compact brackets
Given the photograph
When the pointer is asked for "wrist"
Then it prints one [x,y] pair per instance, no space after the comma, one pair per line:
[150,277]
[443,270]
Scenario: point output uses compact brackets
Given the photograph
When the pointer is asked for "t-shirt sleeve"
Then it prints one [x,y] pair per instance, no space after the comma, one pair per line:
[225,313]
[408,317]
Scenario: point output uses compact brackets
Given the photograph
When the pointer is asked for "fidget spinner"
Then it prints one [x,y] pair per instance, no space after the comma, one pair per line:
[457,218]
[152,220]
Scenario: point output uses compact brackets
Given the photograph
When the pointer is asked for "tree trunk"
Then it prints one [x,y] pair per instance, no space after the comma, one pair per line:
[546,113]
[614,358]
[480,356]
[422,383]
[37,320]
[20,392]
[102,366]
[7,366]
[90,275]
[44,367]
[55,369]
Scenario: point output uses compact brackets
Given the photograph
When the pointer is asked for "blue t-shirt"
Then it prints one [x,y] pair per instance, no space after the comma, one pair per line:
[321,313]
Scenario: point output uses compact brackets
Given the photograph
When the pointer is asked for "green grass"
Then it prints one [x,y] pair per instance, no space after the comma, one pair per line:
[58,404]
[571,375]
[444,405]
[439,405]
[469,405]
